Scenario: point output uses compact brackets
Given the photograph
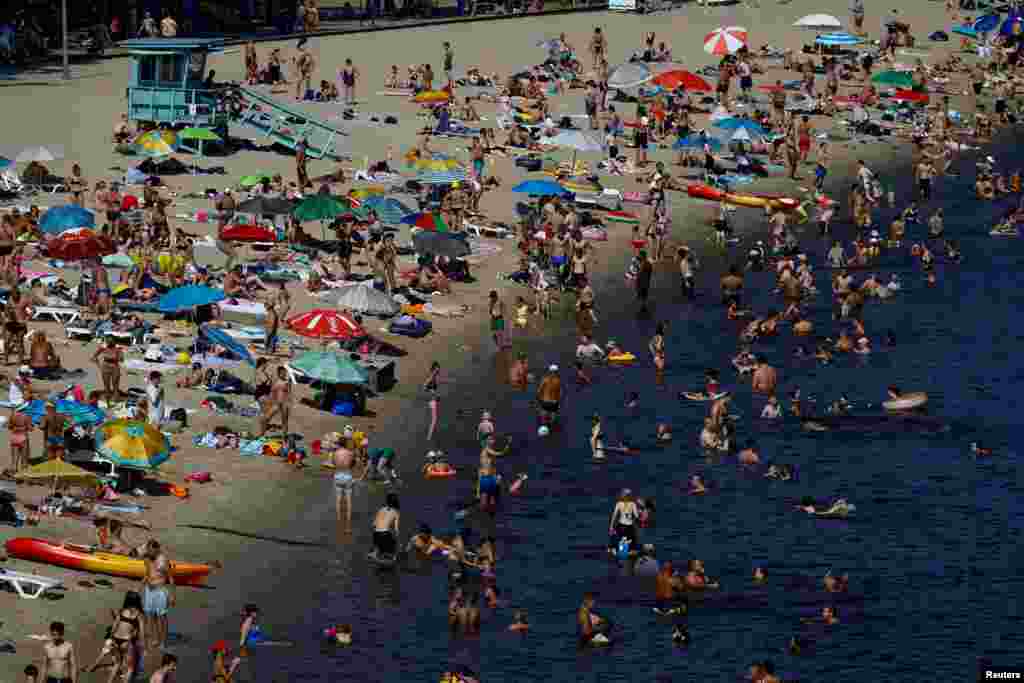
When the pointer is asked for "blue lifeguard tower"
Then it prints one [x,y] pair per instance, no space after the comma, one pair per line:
[167,88]
[166,85]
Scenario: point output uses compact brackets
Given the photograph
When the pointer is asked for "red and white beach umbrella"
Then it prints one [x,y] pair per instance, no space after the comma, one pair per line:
[725,41]
[325,324]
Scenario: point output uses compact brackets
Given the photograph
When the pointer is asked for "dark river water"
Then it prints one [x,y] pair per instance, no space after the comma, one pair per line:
[932,550]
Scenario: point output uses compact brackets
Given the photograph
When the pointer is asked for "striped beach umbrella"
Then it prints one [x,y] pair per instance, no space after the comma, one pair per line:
[725,41]
[441,177]
[834,39]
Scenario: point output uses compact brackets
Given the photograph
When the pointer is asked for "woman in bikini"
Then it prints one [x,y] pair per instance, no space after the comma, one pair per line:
[127,631]
[434,401]
[109,359]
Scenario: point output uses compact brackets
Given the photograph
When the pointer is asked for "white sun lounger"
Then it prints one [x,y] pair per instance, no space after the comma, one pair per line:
[29,586]
[65,316]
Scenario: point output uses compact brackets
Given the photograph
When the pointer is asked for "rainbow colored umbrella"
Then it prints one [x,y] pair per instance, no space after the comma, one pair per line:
[133,444]
[427,221]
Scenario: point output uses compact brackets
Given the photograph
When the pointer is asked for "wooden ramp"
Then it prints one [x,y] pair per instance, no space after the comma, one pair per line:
[289,126]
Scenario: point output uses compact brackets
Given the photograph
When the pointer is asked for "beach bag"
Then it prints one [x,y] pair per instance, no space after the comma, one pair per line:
[622,549]
[346,408]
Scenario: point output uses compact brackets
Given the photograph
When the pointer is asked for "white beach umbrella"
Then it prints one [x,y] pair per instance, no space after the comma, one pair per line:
[725,41]
[818,21]
[39,153]
[629,75]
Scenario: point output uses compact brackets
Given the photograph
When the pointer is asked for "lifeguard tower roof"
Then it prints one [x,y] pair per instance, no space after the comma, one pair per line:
[172,45]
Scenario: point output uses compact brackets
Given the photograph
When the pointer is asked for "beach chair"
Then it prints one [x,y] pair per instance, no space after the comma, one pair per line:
[64,316]
[29,586]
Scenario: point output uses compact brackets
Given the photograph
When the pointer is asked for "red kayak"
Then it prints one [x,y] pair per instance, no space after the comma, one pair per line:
[86,559]
[248,233]
[700,191]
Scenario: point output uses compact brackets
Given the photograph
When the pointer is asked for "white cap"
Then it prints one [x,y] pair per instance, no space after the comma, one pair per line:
[553,368]
[990,160]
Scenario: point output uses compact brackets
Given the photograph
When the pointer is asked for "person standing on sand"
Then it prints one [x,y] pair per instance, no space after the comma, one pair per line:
[157,594]
[598,47]
[304,65]
[300,164]
[270,327]
[20,425]
[348,76]
[278,402]
[549,393]
[448,58]
[60,663]
[857,15]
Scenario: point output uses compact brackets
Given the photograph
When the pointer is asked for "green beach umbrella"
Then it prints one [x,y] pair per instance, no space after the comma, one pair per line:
[330,367]
[202,135]
[320,207]
[900,79]
[253,180]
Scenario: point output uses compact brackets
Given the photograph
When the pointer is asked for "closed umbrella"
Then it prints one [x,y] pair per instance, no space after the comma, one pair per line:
[331,368]
[629,75]
[725,41]
[39,153]
[364,299]
[681,78]
[219,337]
[133,444]
[266,206]
[540,188]
[188,297]
[326,323]
[80,245]
[61,218]
[439,244]
[818,22]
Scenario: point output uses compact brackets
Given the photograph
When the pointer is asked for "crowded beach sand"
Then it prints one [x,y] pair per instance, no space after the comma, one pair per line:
[257,494]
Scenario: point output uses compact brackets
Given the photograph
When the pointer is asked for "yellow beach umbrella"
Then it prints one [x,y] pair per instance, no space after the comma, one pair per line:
[433,96]
[133,443]
[58,471]
[155,136]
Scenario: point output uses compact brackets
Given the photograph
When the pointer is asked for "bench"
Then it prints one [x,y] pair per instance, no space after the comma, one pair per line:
[29,586]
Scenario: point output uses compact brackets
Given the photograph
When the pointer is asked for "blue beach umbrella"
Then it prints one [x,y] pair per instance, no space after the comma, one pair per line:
[79,413]
[736,123]
[388,209]
[221,338]
[831,39]
[61,218]
[540,188]
[986,23]
[188,297]
[697,142]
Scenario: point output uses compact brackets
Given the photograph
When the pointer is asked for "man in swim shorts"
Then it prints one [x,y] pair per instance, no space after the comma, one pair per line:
[667,587]
[344,481]
[385,528]
[157,598]
[549,393]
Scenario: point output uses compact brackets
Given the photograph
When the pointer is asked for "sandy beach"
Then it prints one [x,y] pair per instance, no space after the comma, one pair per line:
[260,495]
